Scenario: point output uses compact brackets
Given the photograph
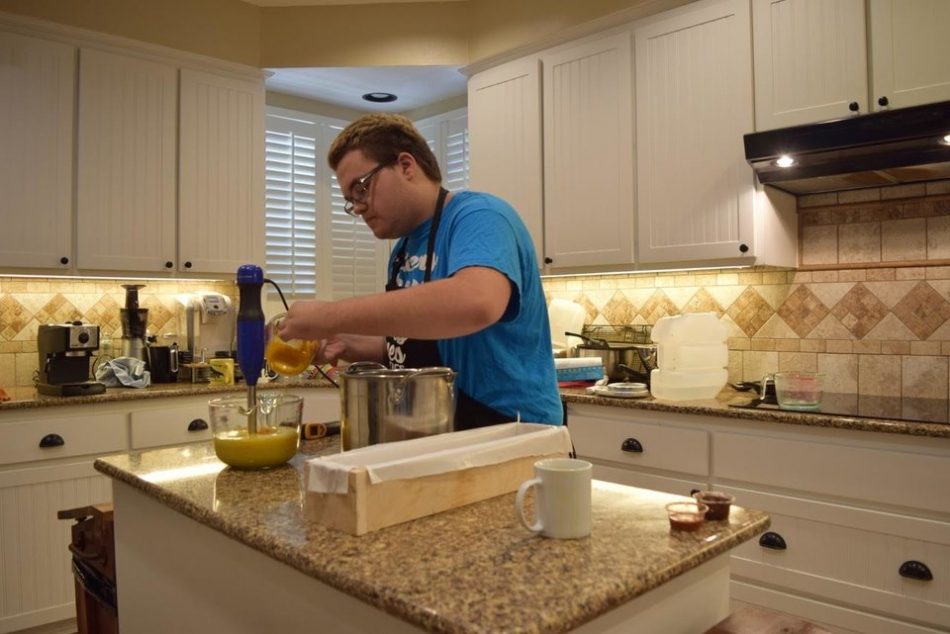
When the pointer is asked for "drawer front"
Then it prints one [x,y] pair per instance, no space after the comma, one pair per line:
[857,565]
[633,478]
[170,425]
[321,406]
[63,437]
[903,478]
[640,444]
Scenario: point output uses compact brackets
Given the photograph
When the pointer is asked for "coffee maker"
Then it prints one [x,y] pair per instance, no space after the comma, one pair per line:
[64,352]
[206,324]
[134,321]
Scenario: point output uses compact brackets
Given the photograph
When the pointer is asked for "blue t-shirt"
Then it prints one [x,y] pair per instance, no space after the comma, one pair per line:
[509,365]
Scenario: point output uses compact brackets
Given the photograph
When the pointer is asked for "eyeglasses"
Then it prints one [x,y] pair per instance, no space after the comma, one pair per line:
[360,190]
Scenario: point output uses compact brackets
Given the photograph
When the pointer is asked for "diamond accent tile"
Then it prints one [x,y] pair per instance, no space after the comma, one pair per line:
[923,310]
[13,317]
[859,310]
[57,310]
[619,309]
[750,311]
[105,313]
[703,302]
[589,307]
[657,306]
[802,311]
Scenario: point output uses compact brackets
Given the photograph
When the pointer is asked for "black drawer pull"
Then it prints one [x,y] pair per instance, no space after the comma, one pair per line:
[51,440]
[773,541]
[631,445]
[197,425]
[693,492]
[915,570]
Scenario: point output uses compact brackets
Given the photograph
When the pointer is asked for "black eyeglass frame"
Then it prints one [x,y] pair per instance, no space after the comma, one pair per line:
[359,192]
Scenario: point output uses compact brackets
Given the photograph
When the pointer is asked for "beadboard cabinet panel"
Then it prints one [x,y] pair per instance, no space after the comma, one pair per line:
[504,122]
[693,104]
[221,172]
[810,61]
[37,85]
[588,153]
[125,218]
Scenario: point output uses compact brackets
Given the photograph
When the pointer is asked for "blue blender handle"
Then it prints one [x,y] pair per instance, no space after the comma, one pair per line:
[250,322]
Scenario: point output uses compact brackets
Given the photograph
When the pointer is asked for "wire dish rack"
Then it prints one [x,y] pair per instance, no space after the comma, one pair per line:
[619,333]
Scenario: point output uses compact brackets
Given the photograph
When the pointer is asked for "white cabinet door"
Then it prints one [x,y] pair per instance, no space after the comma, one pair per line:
[694,103]
[910,52]
[221,173]
[588,153]
[504,123]
[36,581]
[125,218]
[810,61]
[37,83]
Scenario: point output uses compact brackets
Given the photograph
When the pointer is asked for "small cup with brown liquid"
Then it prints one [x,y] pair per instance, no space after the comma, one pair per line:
[288,358]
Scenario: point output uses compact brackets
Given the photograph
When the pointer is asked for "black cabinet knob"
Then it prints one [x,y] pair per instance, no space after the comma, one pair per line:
[188,264]
[773,541]
[64,260]
[169,264]
[882,101]
[854,106]
[197,425]
[693,492]
[743,248]
[51,440]
[548,260]
[631,445]
[915,570]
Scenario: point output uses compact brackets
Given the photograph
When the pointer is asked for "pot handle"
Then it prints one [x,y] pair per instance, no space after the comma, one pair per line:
[395,397]
[359,367]
[590,341]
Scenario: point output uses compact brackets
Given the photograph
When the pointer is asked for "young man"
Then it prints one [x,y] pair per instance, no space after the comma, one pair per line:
[463,289]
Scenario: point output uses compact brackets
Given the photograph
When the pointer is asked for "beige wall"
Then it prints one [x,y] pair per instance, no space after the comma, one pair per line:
[223,29]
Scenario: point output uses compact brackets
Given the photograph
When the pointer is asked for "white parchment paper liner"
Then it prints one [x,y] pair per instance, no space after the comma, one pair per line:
[437,454]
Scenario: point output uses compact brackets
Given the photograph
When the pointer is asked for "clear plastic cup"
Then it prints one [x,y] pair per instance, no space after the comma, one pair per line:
[278,430]
[288,358]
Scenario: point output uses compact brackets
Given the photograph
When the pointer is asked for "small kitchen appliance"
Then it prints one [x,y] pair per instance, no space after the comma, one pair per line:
[64,352]
[206,320]
[134,323]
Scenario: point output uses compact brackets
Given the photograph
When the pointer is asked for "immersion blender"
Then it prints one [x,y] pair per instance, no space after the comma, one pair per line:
[250,335]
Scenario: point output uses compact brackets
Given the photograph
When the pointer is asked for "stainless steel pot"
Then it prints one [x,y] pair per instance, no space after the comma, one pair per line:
[382,405]
[621,360]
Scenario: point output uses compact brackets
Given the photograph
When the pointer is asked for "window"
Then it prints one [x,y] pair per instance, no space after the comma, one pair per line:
[313,248]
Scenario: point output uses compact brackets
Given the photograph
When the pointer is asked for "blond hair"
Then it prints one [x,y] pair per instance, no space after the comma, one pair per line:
[382,137]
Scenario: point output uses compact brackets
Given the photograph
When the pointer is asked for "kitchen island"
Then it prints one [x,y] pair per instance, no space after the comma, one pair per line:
[201,547]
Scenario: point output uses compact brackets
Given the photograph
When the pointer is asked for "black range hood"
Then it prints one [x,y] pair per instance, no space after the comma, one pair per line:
[905,145]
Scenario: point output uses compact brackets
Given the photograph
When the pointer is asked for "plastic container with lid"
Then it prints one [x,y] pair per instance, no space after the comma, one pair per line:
[691,357]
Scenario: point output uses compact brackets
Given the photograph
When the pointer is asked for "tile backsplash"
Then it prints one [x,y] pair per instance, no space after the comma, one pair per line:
[870,305]
[25,303]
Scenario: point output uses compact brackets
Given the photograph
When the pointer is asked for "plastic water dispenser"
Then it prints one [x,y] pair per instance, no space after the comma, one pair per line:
[691,357]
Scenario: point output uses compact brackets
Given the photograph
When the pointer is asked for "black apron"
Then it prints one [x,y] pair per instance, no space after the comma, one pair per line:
[424,353]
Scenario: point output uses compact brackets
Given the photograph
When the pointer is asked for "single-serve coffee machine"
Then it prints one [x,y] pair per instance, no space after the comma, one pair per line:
[206,323]
[64,352]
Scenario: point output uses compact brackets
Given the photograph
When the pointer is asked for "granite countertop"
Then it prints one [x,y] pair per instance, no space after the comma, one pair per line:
[472,569]
[29,398]
[719,406]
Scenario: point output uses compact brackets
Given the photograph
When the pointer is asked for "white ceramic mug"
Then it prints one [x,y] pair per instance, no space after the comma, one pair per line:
[563,498]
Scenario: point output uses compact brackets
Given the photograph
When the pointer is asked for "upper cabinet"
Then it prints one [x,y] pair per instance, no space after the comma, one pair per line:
[817,60]
[37,87]
[588,153]
[125,209]
[504,122]
[161,174]
[694,103]
[221,167]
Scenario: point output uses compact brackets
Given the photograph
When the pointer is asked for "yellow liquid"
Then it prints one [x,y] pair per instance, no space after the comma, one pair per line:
[289,358]
[270,447]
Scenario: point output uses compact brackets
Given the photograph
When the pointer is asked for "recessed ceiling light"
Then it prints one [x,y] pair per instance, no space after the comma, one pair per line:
[946,139]
[785,161]
[379,97]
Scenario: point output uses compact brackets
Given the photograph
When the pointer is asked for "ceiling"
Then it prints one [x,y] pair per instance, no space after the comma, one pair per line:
[414,86]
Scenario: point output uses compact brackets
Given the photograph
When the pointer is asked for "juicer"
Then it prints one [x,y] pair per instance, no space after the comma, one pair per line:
[134,323]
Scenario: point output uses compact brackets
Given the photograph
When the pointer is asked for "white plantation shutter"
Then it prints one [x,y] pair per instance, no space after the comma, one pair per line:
[447,135]
[314,249]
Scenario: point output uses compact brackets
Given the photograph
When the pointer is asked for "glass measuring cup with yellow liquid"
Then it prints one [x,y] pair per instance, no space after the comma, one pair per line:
[290,357]
[275,440]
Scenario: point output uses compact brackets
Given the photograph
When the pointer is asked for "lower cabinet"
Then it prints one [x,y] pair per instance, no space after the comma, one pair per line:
[860,535]
[46,458]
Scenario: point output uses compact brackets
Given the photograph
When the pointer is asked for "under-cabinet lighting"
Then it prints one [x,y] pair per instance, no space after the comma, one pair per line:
[785,161]
[647,271]
[946,139]
[76,278]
